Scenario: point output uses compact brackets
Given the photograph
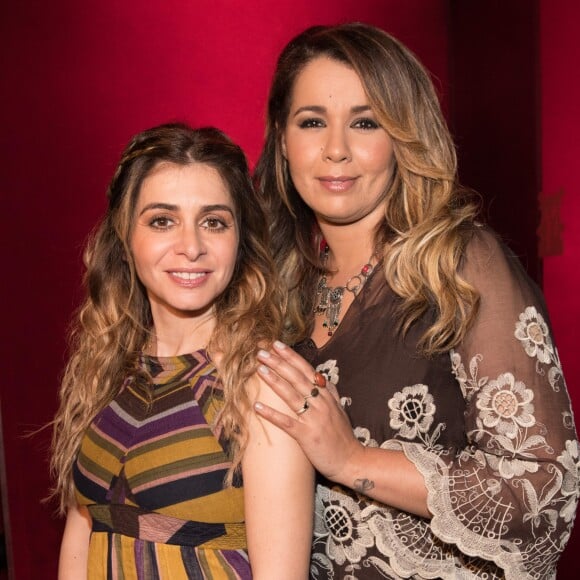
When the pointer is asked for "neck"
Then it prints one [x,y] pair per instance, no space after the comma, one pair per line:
[174,335]
[350,248]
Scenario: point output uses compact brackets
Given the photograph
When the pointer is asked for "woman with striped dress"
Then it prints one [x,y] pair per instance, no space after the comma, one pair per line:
[162,468]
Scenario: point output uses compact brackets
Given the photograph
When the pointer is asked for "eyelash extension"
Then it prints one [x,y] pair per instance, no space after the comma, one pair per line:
[370,124]
[311,123]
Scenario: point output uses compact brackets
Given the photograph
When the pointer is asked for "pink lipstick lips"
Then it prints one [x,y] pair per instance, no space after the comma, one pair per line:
[337,183]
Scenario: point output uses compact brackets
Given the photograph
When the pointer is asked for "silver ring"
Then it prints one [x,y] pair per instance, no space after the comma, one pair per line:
[304,407]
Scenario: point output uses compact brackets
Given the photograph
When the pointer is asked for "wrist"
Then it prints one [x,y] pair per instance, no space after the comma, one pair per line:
[352,474]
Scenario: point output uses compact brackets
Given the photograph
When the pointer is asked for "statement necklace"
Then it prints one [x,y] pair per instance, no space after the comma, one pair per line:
[329,300]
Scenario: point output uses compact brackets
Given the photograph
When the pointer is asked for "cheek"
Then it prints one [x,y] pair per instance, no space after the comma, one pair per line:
[301,152]
[229,255]
[136,249]
[292,159]
[378,159]
[143,249]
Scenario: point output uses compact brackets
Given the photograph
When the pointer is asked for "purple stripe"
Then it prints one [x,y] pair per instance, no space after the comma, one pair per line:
[116,428]
[238,562]
[138,552]
[165,425]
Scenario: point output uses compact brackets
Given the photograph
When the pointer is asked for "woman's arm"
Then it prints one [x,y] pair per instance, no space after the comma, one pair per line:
[74,548]
[510,495]
[325,435]
[279,497]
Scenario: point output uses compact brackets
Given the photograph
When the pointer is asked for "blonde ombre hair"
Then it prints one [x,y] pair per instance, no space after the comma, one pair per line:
[114,322]
[428,217]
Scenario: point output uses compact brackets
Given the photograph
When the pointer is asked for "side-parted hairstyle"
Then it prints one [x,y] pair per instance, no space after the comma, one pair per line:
[428,217]
[114,323]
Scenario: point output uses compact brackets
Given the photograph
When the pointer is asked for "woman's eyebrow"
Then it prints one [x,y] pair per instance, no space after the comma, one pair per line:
[321,110]
[172,207]
[159,205]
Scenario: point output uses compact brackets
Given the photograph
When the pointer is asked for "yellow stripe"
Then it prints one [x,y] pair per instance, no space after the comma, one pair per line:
[97,563]
[214,565]
[234,540]
[191,452]
[177,436]
[170,563]
[223,506]
[127,567]
[101,457]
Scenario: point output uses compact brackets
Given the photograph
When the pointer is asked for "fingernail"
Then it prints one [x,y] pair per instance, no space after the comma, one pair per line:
[258,406]
[263,353]
[263,370]
[279,344]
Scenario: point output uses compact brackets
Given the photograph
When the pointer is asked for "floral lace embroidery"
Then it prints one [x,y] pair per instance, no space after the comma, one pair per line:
[330,370]
[532,332]
[570,459]
[412,411]
[474,512]
[506,406]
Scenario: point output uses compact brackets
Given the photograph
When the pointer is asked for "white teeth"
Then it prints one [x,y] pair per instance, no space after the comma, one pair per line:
[188,275]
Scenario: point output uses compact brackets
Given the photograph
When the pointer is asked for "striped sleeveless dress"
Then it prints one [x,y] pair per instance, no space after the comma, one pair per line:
[151,472]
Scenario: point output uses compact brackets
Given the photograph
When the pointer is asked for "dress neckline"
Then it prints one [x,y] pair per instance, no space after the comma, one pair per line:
[176,362]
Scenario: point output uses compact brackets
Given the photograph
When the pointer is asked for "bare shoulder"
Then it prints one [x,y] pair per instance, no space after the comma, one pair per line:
[258,390]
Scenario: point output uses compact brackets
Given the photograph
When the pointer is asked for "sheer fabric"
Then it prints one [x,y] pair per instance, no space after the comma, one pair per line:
[489,425]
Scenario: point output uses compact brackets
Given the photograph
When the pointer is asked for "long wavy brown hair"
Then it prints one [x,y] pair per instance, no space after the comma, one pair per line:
[114,322]
[428,217]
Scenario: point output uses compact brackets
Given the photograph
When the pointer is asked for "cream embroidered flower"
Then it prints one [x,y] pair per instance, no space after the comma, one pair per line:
[568,420]
[509,467]
[338,517]
[532,332]
[330,370]
[570,459]
[412,411]
[364,436]
[458,370]
[506,406]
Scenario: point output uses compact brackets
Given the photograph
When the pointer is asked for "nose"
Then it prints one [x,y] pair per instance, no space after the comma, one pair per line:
[336,148]
[190,243]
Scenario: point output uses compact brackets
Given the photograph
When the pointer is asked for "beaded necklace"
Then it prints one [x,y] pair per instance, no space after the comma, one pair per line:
[329,300]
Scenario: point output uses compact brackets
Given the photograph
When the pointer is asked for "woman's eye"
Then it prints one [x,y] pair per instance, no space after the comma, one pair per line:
[214,223]
[160,222]
[311,123]
[366,124]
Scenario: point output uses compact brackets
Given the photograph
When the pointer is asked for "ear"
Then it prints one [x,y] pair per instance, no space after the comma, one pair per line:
[283,143]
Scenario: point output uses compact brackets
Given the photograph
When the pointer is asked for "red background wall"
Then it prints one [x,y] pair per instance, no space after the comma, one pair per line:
[78,78]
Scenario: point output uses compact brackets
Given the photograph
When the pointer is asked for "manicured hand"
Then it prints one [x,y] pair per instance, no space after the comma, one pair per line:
[320,425]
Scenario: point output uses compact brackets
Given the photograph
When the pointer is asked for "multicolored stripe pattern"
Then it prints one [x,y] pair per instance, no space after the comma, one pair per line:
[151,471]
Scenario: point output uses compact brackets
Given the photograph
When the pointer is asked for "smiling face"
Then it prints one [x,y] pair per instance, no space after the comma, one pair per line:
[184,240]
[340,159]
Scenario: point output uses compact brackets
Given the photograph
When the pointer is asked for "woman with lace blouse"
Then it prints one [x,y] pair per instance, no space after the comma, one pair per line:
[443,434]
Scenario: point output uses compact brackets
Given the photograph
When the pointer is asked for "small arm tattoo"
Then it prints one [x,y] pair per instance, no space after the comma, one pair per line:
[363,485]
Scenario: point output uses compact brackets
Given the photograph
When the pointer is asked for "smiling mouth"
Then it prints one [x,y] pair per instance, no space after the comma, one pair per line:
[188,275]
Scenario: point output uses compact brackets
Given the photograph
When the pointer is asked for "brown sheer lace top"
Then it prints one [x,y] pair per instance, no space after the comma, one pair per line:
[489,425]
